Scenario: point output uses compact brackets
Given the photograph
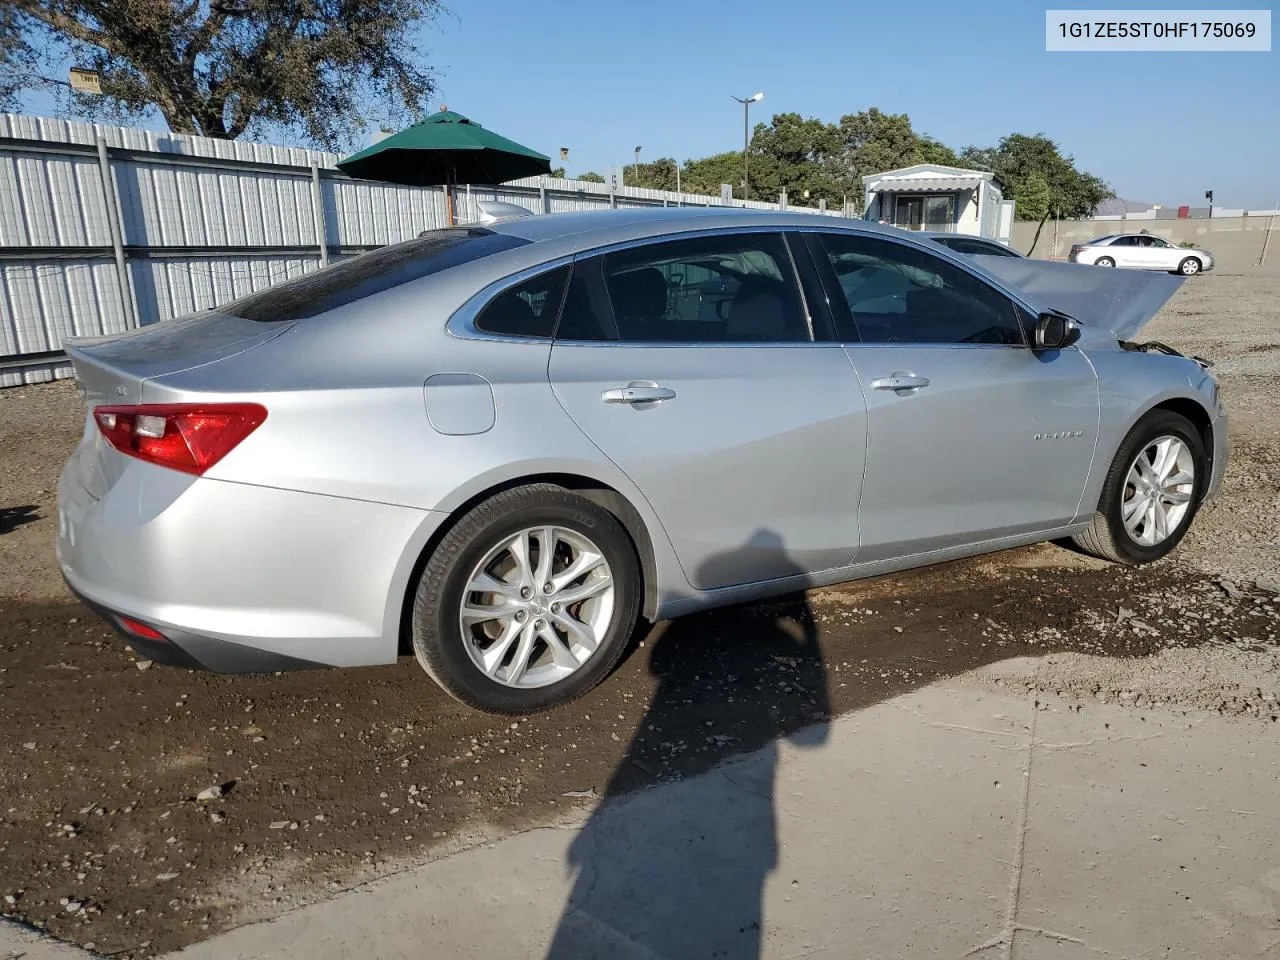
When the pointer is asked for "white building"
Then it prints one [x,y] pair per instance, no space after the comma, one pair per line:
[929,196]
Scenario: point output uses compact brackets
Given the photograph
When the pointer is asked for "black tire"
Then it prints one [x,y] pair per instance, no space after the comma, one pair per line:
[438,640]
[1104,262]
[1190,266]
[1107,537]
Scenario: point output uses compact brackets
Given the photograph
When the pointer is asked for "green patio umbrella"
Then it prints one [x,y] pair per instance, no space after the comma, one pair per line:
[445,149]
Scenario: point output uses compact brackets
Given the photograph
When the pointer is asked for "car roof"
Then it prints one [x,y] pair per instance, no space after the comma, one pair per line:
[619,226]
[560,235]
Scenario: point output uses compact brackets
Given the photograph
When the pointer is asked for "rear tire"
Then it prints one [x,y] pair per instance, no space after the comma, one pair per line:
[1104,262]
[1189,267]
[517,648]
[1153,530]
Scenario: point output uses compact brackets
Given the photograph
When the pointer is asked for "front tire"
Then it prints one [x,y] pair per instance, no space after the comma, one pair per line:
[1151,492]
[527,602]
[1189,267]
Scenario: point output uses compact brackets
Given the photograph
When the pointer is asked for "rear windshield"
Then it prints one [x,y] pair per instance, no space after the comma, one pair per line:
[370,273]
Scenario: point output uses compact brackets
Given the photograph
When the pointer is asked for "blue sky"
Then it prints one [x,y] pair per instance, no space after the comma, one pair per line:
[601,78]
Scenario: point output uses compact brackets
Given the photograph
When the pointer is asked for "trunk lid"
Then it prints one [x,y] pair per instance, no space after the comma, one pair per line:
[113,370]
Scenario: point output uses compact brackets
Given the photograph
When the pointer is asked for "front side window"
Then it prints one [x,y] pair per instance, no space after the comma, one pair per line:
[898,294]
[527,309]
[732,288]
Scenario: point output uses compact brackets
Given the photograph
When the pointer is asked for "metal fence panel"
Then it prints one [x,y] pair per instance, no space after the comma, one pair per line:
[201,222]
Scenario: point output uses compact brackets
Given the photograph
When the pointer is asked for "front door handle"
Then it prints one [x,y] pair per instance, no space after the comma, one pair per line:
[637,393]
[900,381]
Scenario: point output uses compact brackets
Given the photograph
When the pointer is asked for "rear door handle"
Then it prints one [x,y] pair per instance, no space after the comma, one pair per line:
[900,381]
[637,393]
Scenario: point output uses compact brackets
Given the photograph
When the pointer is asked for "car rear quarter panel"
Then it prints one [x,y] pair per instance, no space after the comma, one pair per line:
[347,416]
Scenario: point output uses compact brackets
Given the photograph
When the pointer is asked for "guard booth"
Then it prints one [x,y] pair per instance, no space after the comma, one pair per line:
[929,196]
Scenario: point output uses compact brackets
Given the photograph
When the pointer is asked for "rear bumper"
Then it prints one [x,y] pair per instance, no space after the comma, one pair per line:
[240,578]
[180,648]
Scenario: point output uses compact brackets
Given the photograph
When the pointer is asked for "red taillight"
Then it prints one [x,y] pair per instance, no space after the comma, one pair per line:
[139,629]
[190,437]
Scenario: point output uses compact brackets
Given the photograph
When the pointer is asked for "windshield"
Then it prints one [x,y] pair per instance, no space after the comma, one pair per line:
[369,273]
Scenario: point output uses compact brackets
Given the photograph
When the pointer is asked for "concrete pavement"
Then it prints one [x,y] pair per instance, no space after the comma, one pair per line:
[951,822]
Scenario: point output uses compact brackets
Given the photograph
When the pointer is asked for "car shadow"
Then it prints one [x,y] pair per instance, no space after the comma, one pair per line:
[13,517]
[703,871]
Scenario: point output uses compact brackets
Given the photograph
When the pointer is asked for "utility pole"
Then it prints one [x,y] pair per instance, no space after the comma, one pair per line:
[746,140]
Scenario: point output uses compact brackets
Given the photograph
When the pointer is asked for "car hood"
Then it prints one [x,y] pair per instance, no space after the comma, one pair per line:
[1118,300]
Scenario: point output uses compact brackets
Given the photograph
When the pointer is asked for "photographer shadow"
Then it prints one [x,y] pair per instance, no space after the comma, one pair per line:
[681,872]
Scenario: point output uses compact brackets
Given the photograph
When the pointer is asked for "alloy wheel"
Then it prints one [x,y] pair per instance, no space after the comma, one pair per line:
[1158,490]
[537,606]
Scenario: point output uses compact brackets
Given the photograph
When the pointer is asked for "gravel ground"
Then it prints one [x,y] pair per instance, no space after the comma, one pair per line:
[143,808]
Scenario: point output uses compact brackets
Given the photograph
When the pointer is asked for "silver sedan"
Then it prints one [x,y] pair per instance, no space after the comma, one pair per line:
[504,445]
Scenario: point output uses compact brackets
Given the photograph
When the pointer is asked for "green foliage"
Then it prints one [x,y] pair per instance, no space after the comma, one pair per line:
[795,154]
[706,175]
[873,142]
[590,177]
[658,175]
[1032,194]
[1025,161]
[929,150]
[223,68]
[557,172]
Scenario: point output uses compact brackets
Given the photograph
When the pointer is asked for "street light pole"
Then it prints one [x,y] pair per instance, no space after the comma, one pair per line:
[746,140]
[635,168]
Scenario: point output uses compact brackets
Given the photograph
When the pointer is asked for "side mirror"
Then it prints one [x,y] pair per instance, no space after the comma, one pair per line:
[1054,331]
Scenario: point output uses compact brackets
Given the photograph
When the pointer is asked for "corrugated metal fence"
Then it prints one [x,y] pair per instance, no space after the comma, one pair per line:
[106,228]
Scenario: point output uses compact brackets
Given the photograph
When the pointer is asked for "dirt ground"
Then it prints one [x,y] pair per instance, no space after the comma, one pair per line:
[329,778]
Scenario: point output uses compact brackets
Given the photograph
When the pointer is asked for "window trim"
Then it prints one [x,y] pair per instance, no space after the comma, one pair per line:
[845,315]
[556,310]
[593,270]
[461,323]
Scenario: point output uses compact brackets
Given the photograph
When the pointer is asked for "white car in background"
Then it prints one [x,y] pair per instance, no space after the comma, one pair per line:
[1142,251]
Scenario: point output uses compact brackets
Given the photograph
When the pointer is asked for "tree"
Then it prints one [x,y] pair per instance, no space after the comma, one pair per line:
[705,175]
[1033,197]
[795,154]
[929,150]
[557,172]
[874,142]
[1073,193]
[658,175]
[591,177]
[223,68]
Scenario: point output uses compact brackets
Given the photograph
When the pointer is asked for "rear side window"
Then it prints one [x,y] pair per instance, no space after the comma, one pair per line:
[527,309]
[725,288]
[363,276]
